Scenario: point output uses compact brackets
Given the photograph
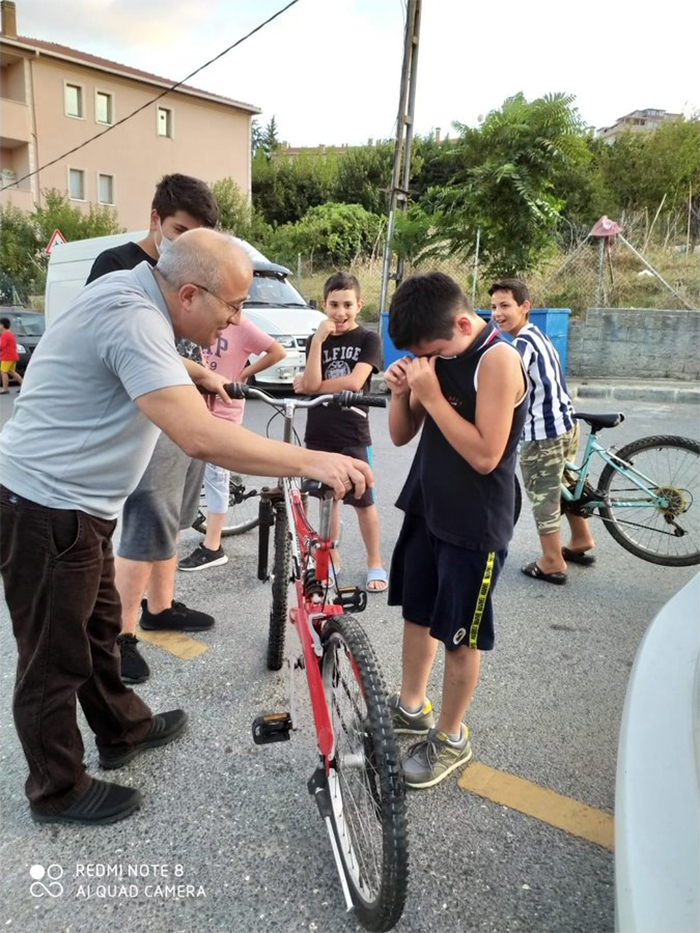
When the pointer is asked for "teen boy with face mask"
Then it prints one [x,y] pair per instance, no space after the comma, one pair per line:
[167,497]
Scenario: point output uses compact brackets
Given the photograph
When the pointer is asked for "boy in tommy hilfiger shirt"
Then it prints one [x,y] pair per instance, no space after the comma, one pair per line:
[343,355]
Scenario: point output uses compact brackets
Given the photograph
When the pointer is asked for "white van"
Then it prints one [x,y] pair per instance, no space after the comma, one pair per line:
[274,306]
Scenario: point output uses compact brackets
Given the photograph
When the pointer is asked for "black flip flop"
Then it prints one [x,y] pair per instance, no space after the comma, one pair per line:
[577,557]
[558,578]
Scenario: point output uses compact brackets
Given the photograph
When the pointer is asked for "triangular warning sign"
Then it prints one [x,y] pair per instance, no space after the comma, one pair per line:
[56,237]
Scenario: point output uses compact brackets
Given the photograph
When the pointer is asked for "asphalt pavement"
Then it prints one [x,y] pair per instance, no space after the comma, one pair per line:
[229,839]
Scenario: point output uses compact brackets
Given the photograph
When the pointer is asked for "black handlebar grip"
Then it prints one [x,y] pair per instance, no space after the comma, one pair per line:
[374,401]
[237,390]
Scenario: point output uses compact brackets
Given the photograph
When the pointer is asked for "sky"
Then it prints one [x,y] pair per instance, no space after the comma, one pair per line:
[329,70]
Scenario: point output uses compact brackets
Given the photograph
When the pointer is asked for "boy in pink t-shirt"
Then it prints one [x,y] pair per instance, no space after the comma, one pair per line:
[229,357]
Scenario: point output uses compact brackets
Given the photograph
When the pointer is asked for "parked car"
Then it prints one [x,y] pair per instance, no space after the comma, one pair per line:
[27,326]
[657,793]
[274,306]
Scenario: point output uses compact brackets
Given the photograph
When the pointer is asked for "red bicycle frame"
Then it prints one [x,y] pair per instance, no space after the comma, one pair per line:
[313,608]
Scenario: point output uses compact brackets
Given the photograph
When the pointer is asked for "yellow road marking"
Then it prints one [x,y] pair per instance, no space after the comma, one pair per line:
[565,813]
[175,642]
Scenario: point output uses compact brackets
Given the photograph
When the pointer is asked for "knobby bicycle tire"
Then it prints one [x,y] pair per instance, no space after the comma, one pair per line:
[242,514]
[367,792]
[280,590]
[671,463]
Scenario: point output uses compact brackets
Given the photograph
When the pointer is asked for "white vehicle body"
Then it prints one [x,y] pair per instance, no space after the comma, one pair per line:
[275,306]
[657,793]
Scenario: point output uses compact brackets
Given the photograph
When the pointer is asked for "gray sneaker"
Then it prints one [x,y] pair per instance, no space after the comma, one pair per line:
[428,762]
[410,723]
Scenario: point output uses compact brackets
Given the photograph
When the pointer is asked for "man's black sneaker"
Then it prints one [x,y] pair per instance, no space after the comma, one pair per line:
[176,619]
[164,728]
[203,557]
[101,803]
[134,667]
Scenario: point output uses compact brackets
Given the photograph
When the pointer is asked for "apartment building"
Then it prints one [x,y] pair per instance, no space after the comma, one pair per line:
[54,99]
[639,121]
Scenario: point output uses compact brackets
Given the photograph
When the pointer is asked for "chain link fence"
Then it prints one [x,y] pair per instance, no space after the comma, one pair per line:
[588,275]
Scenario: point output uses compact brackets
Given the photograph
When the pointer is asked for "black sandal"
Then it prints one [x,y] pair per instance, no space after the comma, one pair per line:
[577,557]
[535,571]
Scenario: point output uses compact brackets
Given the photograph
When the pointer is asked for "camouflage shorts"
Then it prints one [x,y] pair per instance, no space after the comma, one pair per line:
[542,465]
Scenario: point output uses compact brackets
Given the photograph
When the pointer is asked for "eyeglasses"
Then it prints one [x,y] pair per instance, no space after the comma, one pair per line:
[232,306]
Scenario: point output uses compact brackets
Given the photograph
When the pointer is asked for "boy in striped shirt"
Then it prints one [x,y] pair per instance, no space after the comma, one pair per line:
[550,437]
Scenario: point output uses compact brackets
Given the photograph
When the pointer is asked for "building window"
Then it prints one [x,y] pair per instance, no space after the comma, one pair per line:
[74,100]
[76,184]
[105,189]
[104,110]
[165,122]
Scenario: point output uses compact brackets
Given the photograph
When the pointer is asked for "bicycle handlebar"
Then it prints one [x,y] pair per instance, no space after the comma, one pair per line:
[345,399]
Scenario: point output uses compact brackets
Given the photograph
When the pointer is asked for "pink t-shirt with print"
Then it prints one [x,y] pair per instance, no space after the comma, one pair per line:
[228,357]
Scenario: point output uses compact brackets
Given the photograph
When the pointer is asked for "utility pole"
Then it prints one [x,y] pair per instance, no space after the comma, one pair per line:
[404,142]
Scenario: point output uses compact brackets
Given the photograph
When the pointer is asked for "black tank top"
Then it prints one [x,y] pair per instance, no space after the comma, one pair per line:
[461,506]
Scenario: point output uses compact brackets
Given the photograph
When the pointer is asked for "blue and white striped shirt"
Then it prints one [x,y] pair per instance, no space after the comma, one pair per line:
[550,411]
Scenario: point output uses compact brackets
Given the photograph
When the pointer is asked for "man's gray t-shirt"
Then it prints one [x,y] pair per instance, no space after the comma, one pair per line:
[76,440]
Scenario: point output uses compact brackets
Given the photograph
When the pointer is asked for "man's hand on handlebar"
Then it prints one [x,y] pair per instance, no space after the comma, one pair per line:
[341,473]
[213,386]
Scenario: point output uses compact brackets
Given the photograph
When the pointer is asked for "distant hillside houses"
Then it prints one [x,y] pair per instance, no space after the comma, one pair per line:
[639,121]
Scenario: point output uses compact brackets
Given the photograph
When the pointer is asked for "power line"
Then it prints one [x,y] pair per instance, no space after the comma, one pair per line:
[153,100]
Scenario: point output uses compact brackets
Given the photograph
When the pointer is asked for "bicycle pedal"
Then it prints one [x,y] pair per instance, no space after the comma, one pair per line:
[274,727]
[351,597]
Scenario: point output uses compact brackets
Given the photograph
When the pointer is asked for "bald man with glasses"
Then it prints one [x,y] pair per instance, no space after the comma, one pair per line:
[72,465]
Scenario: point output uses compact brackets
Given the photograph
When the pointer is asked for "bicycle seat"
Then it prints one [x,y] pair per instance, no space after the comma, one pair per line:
[600,421]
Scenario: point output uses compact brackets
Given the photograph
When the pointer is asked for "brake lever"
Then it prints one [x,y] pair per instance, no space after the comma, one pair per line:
[358,411]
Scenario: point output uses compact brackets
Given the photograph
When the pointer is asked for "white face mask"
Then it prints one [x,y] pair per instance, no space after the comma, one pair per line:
[165,244]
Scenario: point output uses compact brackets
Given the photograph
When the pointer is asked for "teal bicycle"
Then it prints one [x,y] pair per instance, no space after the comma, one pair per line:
[647,495]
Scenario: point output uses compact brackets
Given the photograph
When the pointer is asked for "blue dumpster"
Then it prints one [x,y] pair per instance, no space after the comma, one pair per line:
[554,322]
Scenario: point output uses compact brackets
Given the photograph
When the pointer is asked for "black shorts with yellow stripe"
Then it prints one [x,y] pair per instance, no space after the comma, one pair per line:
[446,588]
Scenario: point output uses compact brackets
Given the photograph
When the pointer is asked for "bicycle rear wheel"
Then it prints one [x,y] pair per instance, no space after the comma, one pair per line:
[366,789]
[668,536]
[280,590]
[242,514]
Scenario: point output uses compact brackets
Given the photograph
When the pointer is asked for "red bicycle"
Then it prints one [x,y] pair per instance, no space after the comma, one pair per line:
[357,783]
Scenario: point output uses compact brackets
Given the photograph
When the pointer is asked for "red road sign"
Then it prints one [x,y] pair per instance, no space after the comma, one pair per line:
[56,237]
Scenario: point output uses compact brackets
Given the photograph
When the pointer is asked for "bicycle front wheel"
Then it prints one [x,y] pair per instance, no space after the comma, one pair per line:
[242,513]
[670,467]
[366,789]
[280,590]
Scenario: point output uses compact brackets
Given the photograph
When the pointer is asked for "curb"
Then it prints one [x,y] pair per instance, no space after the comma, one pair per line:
[654,393]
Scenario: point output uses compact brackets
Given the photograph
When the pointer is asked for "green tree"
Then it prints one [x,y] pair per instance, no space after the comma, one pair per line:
[269,142]
[363,177]
[256,135]
[415,237]
[74,223]
[435,164]
[284,189]
[641,169]
[506,181]
[331,234]
[26,235]
[20,255]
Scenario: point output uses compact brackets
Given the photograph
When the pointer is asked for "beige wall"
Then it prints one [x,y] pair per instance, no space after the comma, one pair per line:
[210,140]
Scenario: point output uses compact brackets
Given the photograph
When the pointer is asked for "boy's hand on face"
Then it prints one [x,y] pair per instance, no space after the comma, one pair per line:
[325,329]
[422,381]
[395,377]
